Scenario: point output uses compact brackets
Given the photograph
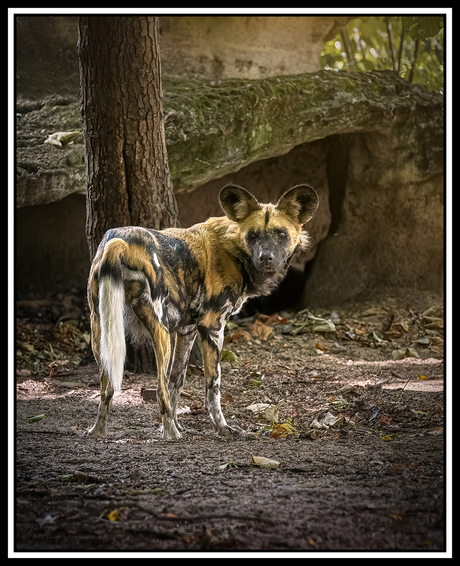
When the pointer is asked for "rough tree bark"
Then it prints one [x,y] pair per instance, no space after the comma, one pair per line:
[128,179]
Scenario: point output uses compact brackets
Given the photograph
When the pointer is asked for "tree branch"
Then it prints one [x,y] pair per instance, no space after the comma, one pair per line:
[411,74]
[400,51]
[390,42]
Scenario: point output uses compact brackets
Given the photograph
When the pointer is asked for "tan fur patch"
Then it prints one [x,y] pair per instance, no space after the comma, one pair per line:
[137,257]
[277,219]
[114,249]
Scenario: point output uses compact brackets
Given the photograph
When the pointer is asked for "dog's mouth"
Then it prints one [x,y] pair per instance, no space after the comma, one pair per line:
[266,269]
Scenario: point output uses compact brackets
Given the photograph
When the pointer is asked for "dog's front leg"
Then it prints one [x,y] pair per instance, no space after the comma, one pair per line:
[184,339]
[211,346]
[162,345]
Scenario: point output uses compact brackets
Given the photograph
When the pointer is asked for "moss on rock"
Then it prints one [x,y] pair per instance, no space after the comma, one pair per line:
[217,127]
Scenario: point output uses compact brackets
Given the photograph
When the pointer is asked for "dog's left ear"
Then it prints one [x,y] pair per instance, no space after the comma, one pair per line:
[237,203]
[300,203]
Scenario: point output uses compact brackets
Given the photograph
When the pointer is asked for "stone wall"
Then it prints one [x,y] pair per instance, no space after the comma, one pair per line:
[244,47]
[388,226]
[208,47]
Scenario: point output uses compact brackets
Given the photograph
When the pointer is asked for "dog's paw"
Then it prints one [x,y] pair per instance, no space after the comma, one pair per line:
[180,427]
[170,431]
[228,430]
[96,431]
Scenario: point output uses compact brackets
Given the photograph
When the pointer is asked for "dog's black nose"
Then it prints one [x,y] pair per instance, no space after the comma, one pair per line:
[265,258]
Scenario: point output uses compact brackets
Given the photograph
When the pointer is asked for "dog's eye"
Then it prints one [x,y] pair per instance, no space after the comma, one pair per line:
[251,235]
[281,233]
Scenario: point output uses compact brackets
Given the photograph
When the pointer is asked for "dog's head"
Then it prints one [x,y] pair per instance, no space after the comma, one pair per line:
[269,234]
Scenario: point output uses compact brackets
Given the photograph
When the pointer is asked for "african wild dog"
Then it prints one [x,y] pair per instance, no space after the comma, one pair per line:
[168,285]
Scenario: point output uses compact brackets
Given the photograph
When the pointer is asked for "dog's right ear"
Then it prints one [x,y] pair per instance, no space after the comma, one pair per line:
[300,203]
[237,203]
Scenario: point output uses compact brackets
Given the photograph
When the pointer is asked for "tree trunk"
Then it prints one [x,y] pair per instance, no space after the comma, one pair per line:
[128,179]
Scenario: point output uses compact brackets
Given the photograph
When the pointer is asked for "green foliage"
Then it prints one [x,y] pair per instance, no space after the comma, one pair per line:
[411,46]
[421,26]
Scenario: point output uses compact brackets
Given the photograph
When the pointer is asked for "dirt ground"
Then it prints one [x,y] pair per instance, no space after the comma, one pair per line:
[359,438]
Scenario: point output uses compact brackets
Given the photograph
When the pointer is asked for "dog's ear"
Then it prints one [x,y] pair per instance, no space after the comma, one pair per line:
[300,203]
[237,203]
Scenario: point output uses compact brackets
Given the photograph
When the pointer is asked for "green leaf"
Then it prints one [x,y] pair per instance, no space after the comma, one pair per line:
[368,65]
[422,27]
[231,325]
[228,465]
[228,356]
[372,32]
[37,418]
[65,477]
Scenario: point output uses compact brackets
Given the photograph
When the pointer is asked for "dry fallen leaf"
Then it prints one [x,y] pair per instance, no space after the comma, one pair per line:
[272,319]
[404,353]
[328,420]
[385,419]
[238,334]
[386,325]
[62,138]
[433,323]
[25,346]
[264,412]
[281,430]
[260,330]
[264,462]
[119,514]
[394,333]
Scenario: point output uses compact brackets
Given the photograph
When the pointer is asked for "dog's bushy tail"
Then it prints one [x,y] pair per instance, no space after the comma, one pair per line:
[112,311]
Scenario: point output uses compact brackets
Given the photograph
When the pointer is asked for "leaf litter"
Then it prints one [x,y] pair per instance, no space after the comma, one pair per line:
[302,367]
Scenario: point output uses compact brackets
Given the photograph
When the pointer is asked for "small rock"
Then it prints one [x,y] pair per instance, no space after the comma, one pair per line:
[23,372]
[148,394]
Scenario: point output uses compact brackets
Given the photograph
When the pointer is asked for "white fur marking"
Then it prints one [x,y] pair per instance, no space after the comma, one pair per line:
[158,308]
[155,259]
[113,346]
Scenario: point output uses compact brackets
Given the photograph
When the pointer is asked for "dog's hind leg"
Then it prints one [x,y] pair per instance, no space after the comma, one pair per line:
[185,337]
[106,302]
[100,427]
[150,315]
[107,390]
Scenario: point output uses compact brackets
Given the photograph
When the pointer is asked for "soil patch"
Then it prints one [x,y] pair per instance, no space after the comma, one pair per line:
[358,436]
